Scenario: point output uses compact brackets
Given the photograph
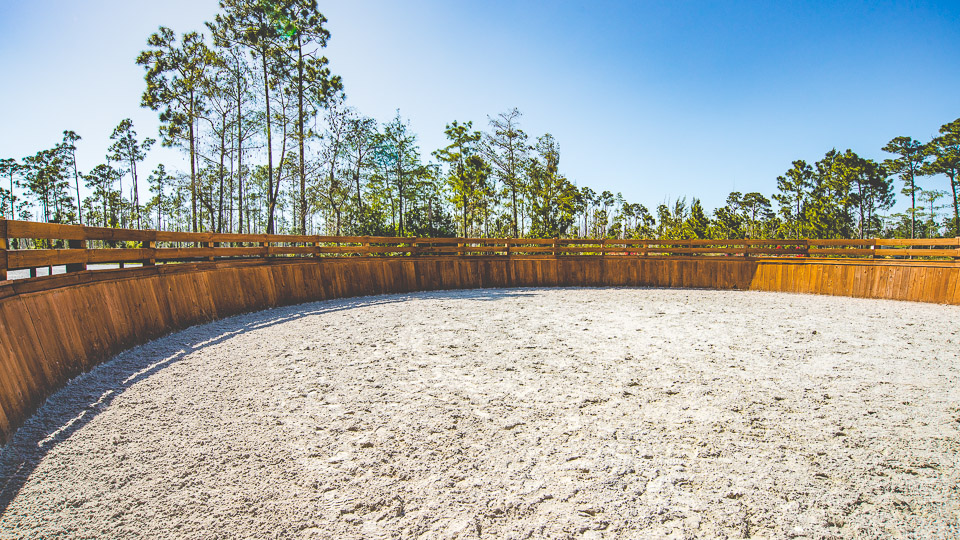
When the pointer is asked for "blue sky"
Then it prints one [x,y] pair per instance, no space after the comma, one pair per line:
[652,99]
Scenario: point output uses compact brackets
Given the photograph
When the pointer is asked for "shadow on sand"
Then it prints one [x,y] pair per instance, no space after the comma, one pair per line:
[82,399]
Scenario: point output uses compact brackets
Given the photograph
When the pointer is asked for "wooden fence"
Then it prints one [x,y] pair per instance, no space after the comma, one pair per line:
[76,246]
[52,329]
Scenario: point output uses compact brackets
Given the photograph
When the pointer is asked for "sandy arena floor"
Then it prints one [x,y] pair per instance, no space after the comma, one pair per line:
[581,413]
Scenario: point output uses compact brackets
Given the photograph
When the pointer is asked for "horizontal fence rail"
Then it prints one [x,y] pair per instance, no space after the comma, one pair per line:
[27,245]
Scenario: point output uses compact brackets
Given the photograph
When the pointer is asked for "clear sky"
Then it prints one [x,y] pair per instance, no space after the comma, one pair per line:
[655,99]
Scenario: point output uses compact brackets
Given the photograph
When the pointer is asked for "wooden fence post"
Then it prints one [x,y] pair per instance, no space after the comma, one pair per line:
[209,245]
[77,244]
[365,244]
[151,259]
[3,250]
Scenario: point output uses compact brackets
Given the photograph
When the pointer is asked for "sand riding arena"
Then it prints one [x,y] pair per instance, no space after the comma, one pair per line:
[510,413]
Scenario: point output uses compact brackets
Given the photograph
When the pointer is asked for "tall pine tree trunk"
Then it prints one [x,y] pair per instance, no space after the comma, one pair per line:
[239,151]
[956,207]
[76,178]
[271,198]
[356,177]
[223,151]
[300,135]
[513,188]
[193,172]
[913,204]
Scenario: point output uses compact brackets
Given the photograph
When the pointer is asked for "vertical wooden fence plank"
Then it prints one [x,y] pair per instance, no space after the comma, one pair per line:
[955,300]
[950,286]
[3,250]
[77,244]
[210,245]
[151,259]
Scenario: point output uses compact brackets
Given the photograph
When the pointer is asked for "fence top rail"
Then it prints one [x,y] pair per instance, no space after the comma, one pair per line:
[56,231]
[944,242]
[841,242]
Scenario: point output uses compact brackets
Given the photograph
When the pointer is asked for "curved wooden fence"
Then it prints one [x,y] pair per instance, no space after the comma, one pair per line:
[75,246]
[53,328]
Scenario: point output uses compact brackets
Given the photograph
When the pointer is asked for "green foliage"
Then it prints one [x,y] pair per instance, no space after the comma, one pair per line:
[468,174]
[826,212]
[944,152]
[908,165]
[756,212]
[44,175]
[10,169]
[793,190]
[127,150]
[175,77]
[697,225]
[505,147]
[159,180]
[102,207]
[69,149]
[552,196]
[398,156]
[869,190]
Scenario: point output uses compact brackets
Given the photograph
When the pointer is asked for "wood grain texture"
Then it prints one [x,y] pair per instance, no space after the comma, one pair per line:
[70,245]
[54,328]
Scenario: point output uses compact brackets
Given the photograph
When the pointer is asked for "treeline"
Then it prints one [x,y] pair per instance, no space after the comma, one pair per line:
[273,146]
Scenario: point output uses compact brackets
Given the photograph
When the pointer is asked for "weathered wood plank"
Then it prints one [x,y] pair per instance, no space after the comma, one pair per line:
[951,287]
[848,252]
[3,250]
[45,231]
[890,252]
[951,242]
[841,242]
[35,258]
[22,359]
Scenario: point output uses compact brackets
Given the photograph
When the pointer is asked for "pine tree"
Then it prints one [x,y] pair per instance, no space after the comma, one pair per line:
[175,77]
[158,181]
[126,149]
[506,150]
[793,191]
[456,155]
[945,153]
[10,168]
[908,165]
[69,148]
[552,196]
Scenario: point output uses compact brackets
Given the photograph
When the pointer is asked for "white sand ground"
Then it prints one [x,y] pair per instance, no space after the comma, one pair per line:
[581,413]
